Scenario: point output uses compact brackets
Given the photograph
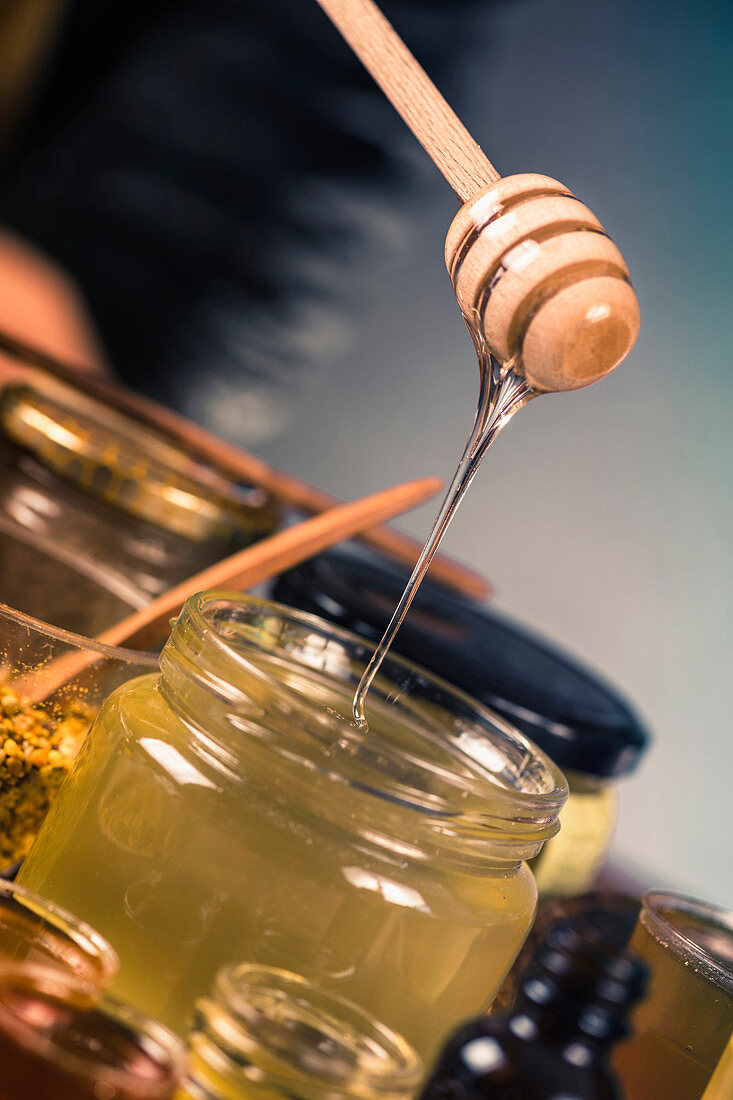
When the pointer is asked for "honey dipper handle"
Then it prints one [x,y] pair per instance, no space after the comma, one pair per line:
[413,94]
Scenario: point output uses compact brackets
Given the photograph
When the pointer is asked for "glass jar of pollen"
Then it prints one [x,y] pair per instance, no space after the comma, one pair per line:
[98,515]
[52,686]
[581,722]
[227,809]
[264,1033]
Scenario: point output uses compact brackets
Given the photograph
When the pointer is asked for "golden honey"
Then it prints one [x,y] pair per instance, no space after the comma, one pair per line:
[225,811]
[681,1029]
[578,719]
[720,1086]
[571,861]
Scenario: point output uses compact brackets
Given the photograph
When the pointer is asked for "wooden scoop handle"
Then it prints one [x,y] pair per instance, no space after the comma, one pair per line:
[270,556]
[413,95]
[240,571]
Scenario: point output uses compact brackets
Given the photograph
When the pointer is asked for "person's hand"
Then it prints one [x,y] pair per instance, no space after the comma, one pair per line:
[40,305]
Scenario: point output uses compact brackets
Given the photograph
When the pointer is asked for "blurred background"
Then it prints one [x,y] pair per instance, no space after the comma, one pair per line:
[244,230]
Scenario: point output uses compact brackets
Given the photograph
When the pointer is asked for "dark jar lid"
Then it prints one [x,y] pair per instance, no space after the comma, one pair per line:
[581,722]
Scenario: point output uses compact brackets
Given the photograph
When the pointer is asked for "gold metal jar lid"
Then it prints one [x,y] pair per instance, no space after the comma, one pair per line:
[129,467]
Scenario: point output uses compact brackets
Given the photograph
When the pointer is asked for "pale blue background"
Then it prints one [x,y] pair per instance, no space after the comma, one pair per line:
[605,516]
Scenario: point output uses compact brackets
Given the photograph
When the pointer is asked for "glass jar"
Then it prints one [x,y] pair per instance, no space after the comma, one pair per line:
[224,810]
[264,1033]
[36,931]
[581,722]
[98,515]
[571,864]
[52,686]
[680,1031]
[58,1041]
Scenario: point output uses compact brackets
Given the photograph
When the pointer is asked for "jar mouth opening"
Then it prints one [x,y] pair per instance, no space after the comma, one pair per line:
[429,747]
[289,1028]
[699,933]
[19,619]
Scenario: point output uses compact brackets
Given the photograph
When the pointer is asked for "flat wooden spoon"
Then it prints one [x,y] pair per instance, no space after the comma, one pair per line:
[243,570]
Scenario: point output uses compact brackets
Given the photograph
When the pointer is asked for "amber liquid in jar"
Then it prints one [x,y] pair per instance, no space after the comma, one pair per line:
[569,863]
[295,895]
[56,1045]
[680,1030]
[98,514]
[34,930]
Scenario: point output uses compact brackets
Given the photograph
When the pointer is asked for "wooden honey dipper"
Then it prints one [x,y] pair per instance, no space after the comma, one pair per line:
[537,278]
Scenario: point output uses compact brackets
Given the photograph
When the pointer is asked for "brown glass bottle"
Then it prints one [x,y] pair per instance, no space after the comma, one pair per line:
[573,1003]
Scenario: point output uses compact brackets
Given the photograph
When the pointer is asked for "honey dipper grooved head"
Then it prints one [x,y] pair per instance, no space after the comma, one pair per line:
[536,274]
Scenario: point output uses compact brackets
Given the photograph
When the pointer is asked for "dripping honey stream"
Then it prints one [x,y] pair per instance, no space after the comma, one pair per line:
[502,392]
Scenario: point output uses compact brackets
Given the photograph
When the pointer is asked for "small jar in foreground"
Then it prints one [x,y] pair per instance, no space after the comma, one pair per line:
[59,1042]
[33,930]
[230,808]
[264,1033]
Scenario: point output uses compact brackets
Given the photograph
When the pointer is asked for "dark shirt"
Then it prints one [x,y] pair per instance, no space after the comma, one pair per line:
[209,171]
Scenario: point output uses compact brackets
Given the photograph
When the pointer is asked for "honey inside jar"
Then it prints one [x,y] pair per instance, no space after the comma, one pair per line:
[265,1034]
[37,932]
[227,810]
[59,1042]
[681,1029]
[98,514]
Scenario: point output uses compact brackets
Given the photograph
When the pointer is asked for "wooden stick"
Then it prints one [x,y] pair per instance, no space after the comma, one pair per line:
[241,571]
[235,463]
[413,94]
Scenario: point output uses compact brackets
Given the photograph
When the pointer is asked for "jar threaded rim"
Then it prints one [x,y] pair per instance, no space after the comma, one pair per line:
[467,772]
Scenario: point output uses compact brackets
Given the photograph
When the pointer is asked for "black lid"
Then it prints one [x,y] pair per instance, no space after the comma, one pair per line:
[579,721]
